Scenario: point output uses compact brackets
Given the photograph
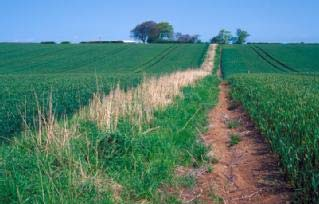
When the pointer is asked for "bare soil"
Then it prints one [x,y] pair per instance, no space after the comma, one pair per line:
[247,172]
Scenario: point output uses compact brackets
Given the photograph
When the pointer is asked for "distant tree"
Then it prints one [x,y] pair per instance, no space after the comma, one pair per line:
[186,38]
[144,30]
[48,42]
[223,37]
[242,36]
[151,31]
[165,30]
[65,42]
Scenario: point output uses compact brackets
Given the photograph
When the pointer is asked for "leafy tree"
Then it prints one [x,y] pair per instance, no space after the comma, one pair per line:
[144,30]
[162,31]
[242,36]
[165,30]
[223,37]
[151,31]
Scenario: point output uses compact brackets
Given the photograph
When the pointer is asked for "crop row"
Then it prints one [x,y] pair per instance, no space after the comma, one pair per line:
[286,110]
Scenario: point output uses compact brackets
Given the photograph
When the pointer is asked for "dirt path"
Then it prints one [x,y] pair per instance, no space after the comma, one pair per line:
[247,172]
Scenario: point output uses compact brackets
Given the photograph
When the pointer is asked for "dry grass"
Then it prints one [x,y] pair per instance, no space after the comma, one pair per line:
[138,104]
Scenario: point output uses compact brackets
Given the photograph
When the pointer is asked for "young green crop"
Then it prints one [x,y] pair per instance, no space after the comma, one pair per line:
[98,58]
[302,57]
[29,73]
[286,110]
[269,58]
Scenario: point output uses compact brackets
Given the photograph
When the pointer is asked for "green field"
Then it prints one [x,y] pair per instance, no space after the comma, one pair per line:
[30,73]
[281,98]
[285,109]
[270,58]
[99,58]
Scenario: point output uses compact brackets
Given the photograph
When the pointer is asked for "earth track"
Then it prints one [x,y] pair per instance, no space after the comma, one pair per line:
[247,172]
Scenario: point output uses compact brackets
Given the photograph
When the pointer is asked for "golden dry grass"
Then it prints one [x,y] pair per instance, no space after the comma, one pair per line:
[138,104]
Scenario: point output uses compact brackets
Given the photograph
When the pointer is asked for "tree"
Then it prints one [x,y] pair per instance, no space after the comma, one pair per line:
[242,35]
[144,30]
[186,38]
[151,31]
[160,32]
[165,30]
[215,40]
[223,37]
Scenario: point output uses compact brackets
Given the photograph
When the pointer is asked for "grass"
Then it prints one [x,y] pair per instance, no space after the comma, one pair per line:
[187,181]
[285,109]
[29,73]
[234,139]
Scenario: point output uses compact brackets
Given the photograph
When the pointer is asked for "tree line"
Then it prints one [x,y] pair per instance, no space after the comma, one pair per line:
[163,32]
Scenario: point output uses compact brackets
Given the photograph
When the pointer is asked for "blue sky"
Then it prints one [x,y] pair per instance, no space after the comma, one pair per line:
[77,20]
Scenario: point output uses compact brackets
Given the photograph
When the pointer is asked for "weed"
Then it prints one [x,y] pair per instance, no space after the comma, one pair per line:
[234,139]
[215,198]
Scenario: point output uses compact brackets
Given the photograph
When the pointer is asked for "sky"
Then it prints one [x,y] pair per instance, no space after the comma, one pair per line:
[81,20]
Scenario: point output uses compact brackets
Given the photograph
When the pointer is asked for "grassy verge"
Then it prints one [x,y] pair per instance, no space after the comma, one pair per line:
[88,165]
[285,108]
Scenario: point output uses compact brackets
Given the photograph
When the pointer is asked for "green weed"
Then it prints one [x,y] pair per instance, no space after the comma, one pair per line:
[234,139]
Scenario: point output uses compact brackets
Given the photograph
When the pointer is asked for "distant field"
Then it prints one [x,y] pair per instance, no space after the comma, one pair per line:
[270,58]
[31,72]
[100,58]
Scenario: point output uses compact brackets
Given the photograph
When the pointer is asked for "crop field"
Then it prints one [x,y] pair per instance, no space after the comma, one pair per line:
[270,58]
[31,73]
[285,108]
[90,58]
[101,102]
[135,113]
[278,87]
